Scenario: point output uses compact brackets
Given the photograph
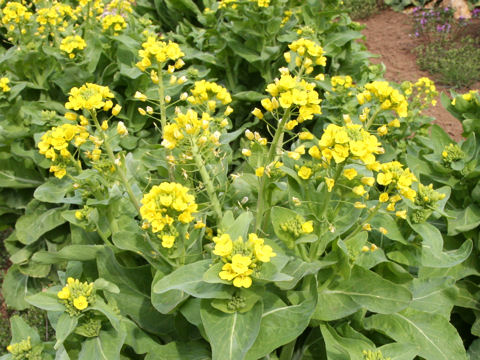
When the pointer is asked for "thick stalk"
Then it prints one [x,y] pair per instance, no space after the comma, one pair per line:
[119,169]
[370,121]
[275,146]
[206,180]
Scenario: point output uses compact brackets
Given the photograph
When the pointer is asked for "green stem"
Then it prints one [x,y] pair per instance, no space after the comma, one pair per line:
[360,226]
[275,146]
[119,169]
[230,80]
[370,121]
[161,94]
[287,350]
[206,180]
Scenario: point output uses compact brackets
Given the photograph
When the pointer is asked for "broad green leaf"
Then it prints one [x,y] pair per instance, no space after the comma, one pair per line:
[167,301]
[134,297]
[432,335]
[280,216]
[189,278]
[140,341]
[240,226]
[176,350]
[298,269]
[333,306]
[463,220]
[282,323]
[21,331]
[386,221]
[106,346]
[349,346]
[30,227]
[54,191]
[434,295]
[474,350]
[373,292]
[14,289]
[47,300]
[71,252]
[102,284]
[106,310]
[399,351]
[65,326]
[230,335]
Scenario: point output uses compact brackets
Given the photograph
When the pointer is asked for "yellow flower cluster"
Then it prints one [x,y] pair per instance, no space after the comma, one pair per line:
[120,6]
[190,124]
[54,16]
[115,22]
[293,92]
[472,95]
[452,152]
[424,92]
[165,204]
[14,13]
[4,84]
[93,6]
[159,51]
[308,54]
[390,98]
[89,97]
[23,350]
[71,44]
[205,92]
[349,141]
[393,175]
[76,296]
[233,3]
[241,259]
[54,145]
[342,82]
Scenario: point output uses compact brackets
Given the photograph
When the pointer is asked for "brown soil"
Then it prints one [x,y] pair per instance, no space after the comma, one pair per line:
[387,34]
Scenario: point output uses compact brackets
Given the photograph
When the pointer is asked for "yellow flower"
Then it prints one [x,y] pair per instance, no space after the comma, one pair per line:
[257,113]
[242,281]
[246,152]
[305,135]
[383,197]
[168,241]
[116,110]
[64,293]
[121,129]
[330,183]
[383,230]
[223,245]
[307,227]
[263,253]
[89,96]
[365,248]
[305,172]
[80,302]
[359,190]
[401,214]
[367,227]
[350,173]
[359,205]
[260,171]
[369,181]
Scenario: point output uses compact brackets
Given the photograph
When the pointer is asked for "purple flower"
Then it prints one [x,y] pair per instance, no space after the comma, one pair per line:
[417,34]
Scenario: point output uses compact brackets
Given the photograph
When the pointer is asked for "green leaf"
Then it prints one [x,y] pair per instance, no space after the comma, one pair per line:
[189,278]
[398,351]
[280,216]
[282,323]
[106,310]
[21,331]
[230,335]
[176,350]
[432,248]
[240,226]
[14,289]
[106,346]
[432,335]
[463,220]
[71,252]
[65,326]
[373,292]
[434,295]
[251,96]
[30,227]
[386,221]
[474,350]
[54,191]
[349,346]
[102,284]
[298,269]
[46,300]
[333,306]
[134,297]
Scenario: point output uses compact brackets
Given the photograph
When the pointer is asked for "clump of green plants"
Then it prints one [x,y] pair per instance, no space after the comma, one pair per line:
[454,64]
[445,52]
[361,9]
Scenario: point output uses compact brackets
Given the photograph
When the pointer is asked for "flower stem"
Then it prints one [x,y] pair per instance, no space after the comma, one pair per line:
[360,226]
[161,94]
[119,169]
[207,180]
[275,146]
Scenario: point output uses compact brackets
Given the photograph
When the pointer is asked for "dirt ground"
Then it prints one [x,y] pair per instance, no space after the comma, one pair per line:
[387,34]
